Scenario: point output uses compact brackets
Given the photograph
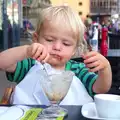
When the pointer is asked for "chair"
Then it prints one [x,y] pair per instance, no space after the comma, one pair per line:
[7,95]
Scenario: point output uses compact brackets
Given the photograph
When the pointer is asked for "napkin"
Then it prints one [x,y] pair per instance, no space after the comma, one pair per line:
[30,91]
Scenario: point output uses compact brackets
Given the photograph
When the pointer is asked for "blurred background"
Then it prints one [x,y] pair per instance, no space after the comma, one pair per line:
[18,20]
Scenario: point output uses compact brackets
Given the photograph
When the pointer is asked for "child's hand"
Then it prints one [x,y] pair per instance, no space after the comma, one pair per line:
[38,51]
[95,61]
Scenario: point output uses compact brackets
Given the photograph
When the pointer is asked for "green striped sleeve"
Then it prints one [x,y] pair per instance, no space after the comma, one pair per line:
[22,69]
[87,78]
[90,86]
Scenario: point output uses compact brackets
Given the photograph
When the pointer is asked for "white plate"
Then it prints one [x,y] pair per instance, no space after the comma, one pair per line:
[11,113]
[3,109]
[89,111]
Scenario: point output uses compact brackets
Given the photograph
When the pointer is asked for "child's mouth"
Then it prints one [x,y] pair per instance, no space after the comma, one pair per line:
[56,56]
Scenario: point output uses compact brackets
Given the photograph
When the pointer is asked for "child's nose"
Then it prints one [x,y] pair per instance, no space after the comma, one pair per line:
[57,46]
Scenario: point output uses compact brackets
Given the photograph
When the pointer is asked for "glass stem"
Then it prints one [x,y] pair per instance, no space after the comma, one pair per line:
[54,105]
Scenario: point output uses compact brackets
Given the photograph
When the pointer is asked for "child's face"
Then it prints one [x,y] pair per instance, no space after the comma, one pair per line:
[59,41]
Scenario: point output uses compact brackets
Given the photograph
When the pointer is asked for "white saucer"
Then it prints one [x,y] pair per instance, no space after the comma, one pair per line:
[89,111]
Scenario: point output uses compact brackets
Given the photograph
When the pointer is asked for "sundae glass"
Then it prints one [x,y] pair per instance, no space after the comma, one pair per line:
[56,87]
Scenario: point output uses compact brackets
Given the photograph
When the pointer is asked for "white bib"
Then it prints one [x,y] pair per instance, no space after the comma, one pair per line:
[29,90]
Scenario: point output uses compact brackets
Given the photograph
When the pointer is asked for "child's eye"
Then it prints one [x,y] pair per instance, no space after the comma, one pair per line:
[66,44]
[49,40]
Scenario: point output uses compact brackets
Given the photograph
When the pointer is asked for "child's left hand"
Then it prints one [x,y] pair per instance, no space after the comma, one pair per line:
[95,61]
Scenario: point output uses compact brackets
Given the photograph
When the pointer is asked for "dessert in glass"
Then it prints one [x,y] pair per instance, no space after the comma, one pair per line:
[56,87]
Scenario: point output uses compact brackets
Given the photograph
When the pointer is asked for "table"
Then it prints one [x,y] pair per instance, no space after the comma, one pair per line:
[74,112]
[114,53]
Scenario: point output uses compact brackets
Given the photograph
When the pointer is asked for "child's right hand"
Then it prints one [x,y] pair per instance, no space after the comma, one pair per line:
[38,52]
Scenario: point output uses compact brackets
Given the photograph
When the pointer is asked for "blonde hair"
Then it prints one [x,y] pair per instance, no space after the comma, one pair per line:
[65,15]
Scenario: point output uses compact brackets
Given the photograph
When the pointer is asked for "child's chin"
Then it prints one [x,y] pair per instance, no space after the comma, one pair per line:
[54,62]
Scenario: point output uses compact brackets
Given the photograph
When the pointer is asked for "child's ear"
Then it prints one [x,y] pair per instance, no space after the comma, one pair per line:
[35,37]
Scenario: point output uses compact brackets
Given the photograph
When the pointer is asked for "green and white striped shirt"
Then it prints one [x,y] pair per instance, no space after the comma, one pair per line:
[86,77]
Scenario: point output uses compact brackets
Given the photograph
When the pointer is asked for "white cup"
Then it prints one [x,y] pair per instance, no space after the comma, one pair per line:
[108,105]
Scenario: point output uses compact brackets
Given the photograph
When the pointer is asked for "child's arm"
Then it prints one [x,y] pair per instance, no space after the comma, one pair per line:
[104,80]
[98,63]
[10,57]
